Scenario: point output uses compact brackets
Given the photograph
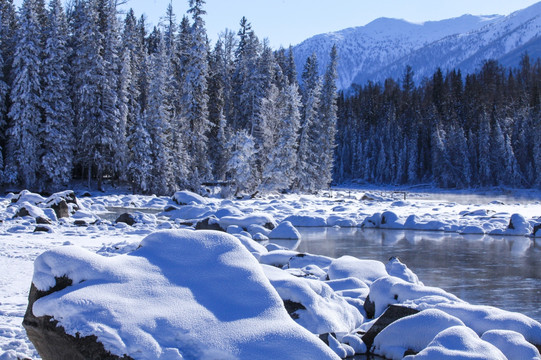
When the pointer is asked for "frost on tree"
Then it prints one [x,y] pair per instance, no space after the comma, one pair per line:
[25,113]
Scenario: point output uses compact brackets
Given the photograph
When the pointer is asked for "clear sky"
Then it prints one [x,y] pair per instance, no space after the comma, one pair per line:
[286,22]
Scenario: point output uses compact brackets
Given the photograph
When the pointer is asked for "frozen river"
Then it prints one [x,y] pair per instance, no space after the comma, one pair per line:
[498,271]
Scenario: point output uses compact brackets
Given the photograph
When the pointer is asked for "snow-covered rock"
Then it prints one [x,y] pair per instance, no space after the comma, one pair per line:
[307,220]
[319,310]
[512,344]
[285,230]
[394,340]
[244,221]
[458,343]
[365,270]
[186,197]
[181,294]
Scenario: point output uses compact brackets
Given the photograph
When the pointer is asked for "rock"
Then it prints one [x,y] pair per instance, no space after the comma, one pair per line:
[126,218]
[80,223]
[207,225]
[60,201]
[393,313]
[536,228]
[285,231]
[43,229]
[369,308]
[170,208]
[43,221]
[51,341]
[61,209]
[22,212]
[292,307]
[185,197]
[86,194]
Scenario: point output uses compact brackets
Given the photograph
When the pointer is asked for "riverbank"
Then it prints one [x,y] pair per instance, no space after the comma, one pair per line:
[354,209]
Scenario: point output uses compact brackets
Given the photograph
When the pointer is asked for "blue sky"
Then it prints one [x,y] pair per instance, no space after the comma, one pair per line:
[286,22]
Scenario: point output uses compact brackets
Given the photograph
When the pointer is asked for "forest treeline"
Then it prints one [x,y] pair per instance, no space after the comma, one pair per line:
[87,94]
[483,129]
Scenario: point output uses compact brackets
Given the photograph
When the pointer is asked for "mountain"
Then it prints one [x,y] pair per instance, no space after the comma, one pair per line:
[384,47]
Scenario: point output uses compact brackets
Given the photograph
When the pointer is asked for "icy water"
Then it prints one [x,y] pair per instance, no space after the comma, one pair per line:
[500,271]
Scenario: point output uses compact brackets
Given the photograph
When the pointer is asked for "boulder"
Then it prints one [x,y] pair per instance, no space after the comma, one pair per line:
[393,313]
[126,218]
[52,342]
[61,209]
[207,224]
[43,228]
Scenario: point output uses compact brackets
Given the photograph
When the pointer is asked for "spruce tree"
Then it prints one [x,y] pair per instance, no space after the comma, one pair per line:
[57,135]
[26,108]
[197,101]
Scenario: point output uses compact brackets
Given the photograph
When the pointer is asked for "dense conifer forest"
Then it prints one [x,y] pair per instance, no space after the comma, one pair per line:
[451,130]
[88,94]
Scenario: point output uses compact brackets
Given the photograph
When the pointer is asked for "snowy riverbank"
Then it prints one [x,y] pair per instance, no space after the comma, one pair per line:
[331,291]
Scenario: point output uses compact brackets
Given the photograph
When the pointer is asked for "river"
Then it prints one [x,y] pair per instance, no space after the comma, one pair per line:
[499,271]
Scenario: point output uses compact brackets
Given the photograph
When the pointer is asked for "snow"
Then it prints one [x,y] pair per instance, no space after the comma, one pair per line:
[185,197]
[332,290]
[285,231]
[134,303]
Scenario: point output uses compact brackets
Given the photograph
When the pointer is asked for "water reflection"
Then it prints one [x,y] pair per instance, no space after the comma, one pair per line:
[498,271]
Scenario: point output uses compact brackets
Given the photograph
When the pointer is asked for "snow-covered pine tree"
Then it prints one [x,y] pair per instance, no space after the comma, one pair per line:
[158,115]
[197,114]
[279,170]
[246,80]
[217,134]
[3,113]
[309,151]
[241,163]
[22,160]
[56,135]
[139,169]
[327,120]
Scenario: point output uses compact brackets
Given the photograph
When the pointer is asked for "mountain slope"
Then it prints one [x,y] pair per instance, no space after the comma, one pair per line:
[385,46]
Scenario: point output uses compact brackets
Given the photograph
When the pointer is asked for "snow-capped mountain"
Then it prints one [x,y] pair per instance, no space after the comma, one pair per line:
[384,47]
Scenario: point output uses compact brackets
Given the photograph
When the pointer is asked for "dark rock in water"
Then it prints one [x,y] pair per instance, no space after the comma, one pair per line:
[369,307]
[126,218]
[86,194]
[52,342]
[393,313]
[536,229]
[61,209]
[42,229]
[43,221]
[292,307]
[205,225]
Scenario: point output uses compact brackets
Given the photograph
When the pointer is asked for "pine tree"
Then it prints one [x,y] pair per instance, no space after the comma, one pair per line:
[197,114]
[139,168]
[158,114]
[241,163]
[26,109]
[327,120]
[57,134]
[3,117]
[309,150]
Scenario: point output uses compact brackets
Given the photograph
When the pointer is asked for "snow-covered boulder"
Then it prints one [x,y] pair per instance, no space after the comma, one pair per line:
[27,196]
[63,203]
[397,269]
[397,338]
[512,344]
[244,221]
[182,294]
[365,270]
[307,220]
[285,230]
[313,304]
[458,343]
[186,197]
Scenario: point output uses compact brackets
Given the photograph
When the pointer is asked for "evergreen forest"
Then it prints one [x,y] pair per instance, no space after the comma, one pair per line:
[89,94]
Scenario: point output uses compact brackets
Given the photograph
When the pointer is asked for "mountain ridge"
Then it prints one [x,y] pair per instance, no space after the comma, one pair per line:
[385,46]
